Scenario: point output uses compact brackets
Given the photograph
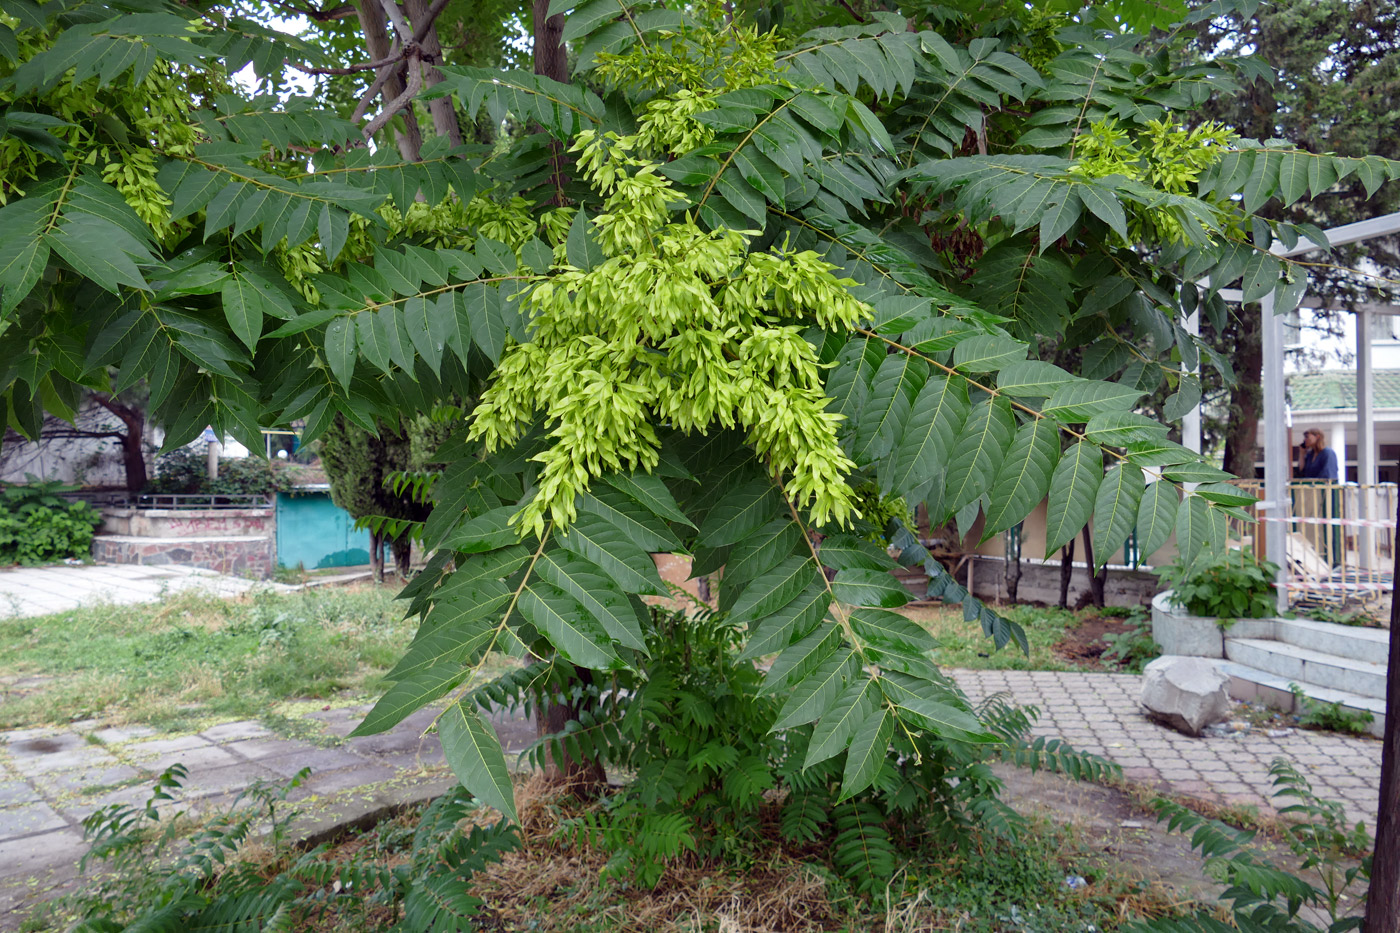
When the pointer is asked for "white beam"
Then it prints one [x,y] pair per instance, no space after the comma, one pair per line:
[1191,421]
[1235,296]
[1275,443]
[1365,438]
[1384,225]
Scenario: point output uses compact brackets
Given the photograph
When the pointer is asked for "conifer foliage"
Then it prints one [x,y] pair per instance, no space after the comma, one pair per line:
[694,299]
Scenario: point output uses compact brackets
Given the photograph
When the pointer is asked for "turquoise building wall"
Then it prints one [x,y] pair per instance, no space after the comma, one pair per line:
[315,532]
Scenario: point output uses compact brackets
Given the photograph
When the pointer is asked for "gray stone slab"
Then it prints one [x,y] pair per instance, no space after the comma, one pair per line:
[14,793]
[233,731]
[113,735]
[395,743]
[233,778]
[254,749]
[194,759]
[145,750]
[28,854]
[317,759]
[81,808]
[28,819]
[79,759]
[45,746]
[331,782]
[24,735]
[81,779]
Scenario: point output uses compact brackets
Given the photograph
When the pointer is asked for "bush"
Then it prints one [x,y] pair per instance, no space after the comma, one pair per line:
[39,526]
[1232,586]
[185,472]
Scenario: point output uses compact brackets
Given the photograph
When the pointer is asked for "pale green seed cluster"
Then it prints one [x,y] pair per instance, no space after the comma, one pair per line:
[679,327]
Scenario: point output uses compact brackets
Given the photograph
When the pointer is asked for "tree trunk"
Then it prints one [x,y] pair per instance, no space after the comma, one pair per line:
[1066,572]
[372,22]
[1247,394]
[376,556]
[1383,899]
[551,61]
[583,778]
[132,440]
[402,548]
[443,109]
[1097,578]
[1013,562]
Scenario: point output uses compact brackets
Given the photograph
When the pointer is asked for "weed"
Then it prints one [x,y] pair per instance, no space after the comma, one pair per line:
[1333,717]
[1230,586]
[1134,648]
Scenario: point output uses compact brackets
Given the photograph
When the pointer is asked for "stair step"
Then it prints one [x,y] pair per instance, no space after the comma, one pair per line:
[1306,666]
[1250,683]
[1346,641]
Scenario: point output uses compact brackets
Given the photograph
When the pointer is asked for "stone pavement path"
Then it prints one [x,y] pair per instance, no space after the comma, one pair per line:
[1099,713]
[37,591]
[50,779]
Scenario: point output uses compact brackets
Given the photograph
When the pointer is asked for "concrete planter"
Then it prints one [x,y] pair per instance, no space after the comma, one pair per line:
[1179,632]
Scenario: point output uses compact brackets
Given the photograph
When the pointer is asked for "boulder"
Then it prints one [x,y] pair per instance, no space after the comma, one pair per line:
[1187,694]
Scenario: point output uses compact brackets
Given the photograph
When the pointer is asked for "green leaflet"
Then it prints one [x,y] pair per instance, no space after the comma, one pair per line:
[1080,401]
[988,353]
[939,413]
[866,755]
[595,593]
[762,551]
[602,543]
[1032,379]
[838,724]
[801,657]
[858,586]
[642,527]
[796,619]
[1116,509]
[1024,476]
[740,513]
[845,551]
[484,532]
[944,720]
[573,632]
[849,382]
[814,694]
[410,695]
[888,406]
[1195,473]
[452,631]
[474,753]
[1200,531]
[978,453]
[1156,518]
[1073,486]
[775,589]
[891,631]
[1119,428]
[651,492]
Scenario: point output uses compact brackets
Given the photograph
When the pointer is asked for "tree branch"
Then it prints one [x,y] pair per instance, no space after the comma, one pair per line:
[415,84]
[374,88]
[396,17]
[429,18]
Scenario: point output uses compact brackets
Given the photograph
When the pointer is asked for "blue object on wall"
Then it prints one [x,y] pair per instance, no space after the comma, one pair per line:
[314,532]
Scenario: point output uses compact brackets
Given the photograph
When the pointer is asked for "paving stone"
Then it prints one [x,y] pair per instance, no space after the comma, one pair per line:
[194,759]
[116,734]
[13,793]
[317,759]
[331,782]
[27,819]
[76,780]
[232,778]
[36,747]
[156,747]
[233,731]
[85,758]
[254,749]
[80,808]
[26,855]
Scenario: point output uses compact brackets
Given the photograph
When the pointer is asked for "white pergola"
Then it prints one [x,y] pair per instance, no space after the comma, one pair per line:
[1276,454]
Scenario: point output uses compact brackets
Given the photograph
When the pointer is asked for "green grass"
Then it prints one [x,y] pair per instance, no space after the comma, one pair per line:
[194,657]
[962,644]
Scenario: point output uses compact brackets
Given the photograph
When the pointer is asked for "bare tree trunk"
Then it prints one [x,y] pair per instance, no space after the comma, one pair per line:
[376,556]
[1066,572]
[551,61]
[402,548]
[132,440]
[372,22]
[584,778]
[1383,899]
[1097,578]
[1013,562]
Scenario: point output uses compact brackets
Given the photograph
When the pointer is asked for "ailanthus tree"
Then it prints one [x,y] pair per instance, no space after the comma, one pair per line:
[703,292]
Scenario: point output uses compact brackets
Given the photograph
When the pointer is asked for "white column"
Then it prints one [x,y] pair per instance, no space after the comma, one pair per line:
[1337,440]
[1191,421]
[1275,443]
[1366,473]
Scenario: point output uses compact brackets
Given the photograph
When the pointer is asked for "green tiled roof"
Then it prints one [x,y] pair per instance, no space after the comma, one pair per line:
[1337,389]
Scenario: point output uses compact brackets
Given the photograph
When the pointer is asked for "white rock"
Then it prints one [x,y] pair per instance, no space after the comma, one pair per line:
[1187,694]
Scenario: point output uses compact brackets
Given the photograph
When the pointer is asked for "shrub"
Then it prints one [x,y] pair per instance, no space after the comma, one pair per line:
[1133,648]
[1232,586]
[185,472]
[38,526]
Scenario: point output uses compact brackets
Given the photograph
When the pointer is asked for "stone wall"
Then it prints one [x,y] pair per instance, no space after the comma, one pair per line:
[181,523]
[1040,582]
[239,555]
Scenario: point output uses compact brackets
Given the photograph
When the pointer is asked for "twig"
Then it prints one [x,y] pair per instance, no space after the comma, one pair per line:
[375,87]
[429,18]
[391,9]
[349,69]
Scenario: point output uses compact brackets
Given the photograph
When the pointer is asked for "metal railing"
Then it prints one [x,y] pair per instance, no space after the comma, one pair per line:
[1340,538]
[200,501]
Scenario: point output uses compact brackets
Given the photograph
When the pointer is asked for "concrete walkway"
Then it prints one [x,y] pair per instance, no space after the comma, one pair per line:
[1099,713]
[37,591]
